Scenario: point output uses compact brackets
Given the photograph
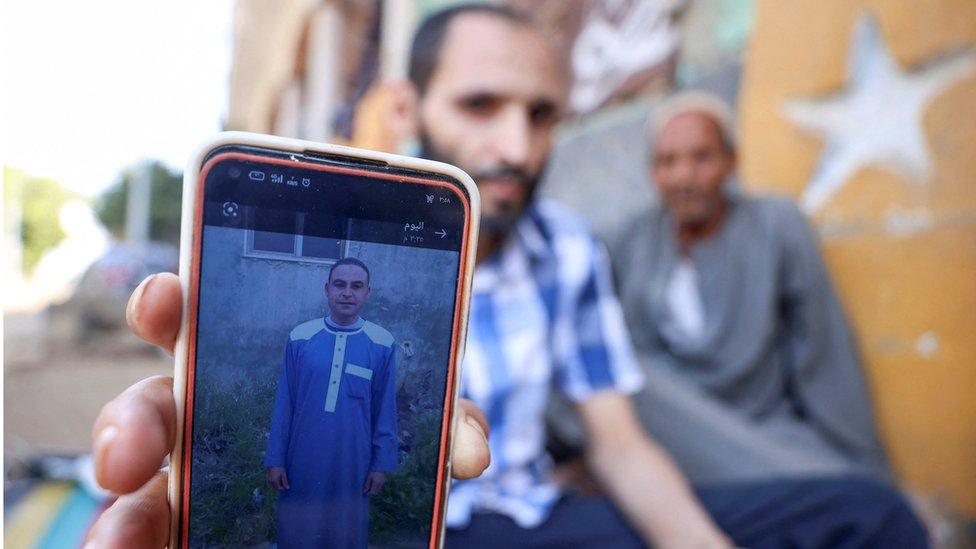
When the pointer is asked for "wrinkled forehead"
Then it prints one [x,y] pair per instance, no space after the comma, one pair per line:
[484,53]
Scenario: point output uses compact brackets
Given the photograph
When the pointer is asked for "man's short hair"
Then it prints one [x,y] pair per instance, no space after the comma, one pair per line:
[349,261]
[708,104]
[429,39]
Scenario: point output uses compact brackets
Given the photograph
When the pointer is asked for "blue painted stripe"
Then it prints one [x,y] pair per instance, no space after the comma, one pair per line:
[69,527]
[13,494]
[35,514]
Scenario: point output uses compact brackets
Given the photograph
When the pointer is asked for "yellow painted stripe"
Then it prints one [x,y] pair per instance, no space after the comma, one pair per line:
[30,520]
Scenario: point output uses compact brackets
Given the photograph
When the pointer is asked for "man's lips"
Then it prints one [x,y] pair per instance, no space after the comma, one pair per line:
[685,197]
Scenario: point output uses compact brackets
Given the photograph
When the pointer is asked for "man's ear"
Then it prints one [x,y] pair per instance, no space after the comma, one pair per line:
[403,110]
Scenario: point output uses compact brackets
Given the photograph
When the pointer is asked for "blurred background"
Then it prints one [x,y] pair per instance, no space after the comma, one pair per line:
[103,104]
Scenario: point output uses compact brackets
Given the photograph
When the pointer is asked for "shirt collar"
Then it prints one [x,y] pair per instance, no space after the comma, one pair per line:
[527,235]
[358,325]
[527,238]
[530,235]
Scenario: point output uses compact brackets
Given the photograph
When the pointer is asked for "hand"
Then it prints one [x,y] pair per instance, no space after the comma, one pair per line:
[374,483]
[277,478]
[135,432]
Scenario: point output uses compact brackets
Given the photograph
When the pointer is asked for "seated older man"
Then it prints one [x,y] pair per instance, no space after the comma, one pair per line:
[756,372]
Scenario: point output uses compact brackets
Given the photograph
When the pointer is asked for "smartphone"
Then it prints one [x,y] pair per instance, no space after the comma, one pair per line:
[326,295]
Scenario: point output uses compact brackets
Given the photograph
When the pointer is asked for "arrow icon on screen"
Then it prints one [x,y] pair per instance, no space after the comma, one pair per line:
[441,233]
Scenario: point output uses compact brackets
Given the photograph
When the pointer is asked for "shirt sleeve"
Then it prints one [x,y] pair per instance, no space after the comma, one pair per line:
[384,415]
[591,345]
[276,454]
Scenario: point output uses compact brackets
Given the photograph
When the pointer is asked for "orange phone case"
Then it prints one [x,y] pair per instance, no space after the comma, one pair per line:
[190,240]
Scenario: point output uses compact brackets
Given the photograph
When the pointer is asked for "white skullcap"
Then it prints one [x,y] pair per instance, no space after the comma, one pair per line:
[696,101]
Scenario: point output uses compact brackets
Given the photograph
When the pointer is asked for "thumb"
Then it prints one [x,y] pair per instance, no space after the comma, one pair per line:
[471,454]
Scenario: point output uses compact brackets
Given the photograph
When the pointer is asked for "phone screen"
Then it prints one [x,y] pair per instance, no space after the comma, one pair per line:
[319,383]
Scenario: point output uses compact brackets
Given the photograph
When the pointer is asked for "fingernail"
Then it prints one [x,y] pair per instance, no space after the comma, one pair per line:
[130,309]
[101,446]
[106,437]
[474,423]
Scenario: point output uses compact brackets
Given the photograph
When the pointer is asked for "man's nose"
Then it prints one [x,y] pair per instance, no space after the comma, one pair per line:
[683,170]
[512,137]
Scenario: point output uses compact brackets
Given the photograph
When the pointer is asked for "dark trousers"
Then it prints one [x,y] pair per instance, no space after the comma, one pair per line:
[827,513]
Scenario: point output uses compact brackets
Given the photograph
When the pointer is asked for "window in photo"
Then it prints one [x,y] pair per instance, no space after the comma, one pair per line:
[265,240]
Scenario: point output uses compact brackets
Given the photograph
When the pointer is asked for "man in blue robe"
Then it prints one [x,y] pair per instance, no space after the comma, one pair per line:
[334,427]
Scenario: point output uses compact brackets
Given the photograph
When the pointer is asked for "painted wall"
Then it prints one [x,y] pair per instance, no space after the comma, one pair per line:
[874,131]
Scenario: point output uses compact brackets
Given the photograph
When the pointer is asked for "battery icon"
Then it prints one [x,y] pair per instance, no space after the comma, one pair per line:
[256,175]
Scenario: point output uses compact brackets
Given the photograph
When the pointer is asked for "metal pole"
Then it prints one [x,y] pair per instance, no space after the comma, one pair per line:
[399,20]
[138,206]
[13,239]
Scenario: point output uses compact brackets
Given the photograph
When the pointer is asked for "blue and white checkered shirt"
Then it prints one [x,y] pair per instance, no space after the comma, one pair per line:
[543,314]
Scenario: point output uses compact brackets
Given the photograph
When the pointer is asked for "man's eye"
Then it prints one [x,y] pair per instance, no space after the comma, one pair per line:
[543,114]
[478,104]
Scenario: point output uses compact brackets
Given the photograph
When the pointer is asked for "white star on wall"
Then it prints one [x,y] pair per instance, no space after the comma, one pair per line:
[877,119]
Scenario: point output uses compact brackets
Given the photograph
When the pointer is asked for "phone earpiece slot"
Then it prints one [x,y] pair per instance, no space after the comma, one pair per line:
[340,159]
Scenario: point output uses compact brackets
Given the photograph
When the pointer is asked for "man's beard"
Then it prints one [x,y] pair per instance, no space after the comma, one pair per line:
[710,206]
[501,223]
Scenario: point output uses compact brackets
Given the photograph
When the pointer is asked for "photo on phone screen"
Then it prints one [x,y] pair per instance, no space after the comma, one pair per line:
[325,307]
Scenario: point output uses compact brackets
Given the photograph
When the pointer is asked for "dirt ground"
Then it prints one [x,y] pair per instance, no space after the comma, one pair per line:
[54,387]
